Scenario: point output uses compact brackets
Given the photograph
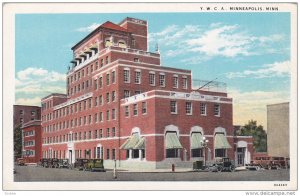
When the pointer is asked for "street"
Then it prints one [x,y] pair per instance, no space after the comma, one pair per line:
[35,174]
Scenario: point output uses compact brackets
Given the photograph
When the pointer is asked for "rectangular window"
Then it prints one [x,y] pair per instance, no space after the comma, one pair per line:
[107,115]
[113,114]
[100,117]
[203,109]
[102,63]
[135,109]
[113,131]
[100,100]
[107,154]
[126,93]
[96,118]
[220,152]
[135,153]
[175,82]
[100,82]
[106,60]
[107,132]
[113,154]
[100,133]
[173,107]
[107,97]
[96,101]
[137,78]
[184,82]
[162,80]
[144,107]
[96,84]
[96,134]
[90,135]
[172,153]
[196,152]
[188,108]
[136,59]
[152,79]
[107,79]
[113,77]
[217,110]
[113,96]
[126,111]
[126,76]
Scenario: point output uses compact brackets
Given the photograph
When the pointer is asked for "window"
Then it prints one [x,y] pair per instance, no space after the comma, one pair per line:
[172,153]
[126,111]
[96,65]
[136,59]
[122,44]
[107,115]
[175,81]
[197,152]
[96,118]
[86,85]
[100,117]
[84,135]
[113,77]
[162,80]
[32,113]
[203,109]
[100,82]
[113,96]
[106,60]
[107,97]
[173,106]
[113,154]
[126,93]
[95,84]
[126,76]
[107,153]
[107,79]
[220,152]
[90,135]
[113,114]
[96,101]
[184,82]
[152,79]
[135,153]
[100,100]
[137,78]
[90,119]
[101,63]
[217,110]
[100,133]
[113,131]
[107,132]
[135,109]
[144,107]
[188,108]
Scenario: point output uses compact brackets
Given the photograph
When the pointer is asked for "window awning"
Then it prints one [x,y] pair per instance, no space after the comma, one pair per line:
[196,140]
[221,141]
[131,142]
[140,144]
[172,141]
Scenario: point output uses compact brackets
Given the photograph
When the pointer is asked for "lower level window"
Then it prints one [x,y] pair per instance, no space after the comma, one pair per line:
[135,154]
[143,153]
[197,152]
[220,152]
[172,153]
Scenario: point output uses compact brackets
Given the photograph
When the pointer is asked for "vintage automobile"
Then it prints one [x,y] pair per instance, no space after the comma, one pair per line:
[63,163]
[44,162]
[95,165]
[21,161]
[81,164]
[269,162]
[224,164]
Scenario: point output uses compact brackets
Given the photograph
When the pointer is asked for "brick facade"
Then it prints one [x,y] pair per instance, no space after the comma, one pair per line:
[115,89]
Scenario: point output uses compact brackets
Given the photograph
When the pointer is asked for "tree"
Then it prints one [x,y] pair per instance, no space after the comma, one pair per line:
[18,141]
[258,133]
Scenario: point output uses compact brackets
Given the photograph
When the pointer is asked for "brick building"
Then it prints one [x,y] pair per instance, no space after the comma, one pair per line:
[122,105]
[26,113]
[31,141]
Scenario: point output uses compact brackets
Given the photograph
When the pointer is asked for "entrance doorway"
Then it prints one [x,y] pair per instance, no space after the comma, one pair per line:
[241,156]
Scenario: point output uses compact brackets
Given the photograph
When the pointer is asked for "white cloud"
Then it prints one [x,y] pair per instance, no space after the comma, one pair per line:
[89,28]
[213,40]
[37,83]
[253,104]
[277,69]
[36,101]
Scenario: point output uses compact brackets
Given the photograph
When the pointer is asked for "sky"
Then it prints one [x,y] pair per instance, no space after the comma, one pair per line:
[250,52]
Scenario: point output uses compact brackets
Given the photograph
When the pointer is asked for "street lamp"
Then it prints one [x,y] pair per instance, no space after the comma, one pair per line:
[204,144]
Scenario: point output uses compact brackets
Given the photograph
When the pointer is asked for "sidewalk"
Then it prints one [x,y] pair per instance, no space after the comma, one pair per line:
[177,170]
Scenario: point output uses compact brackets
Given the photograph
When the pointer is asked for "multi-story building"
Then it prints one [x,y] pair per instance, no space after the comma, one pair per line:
[31,141]
[278,130]
[26,113]
[122,104]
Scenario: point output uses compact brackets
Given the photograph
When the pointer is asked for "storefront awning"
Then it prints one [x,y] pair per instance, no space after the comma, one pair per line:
[140,144]
[172,141]
[221,141]
[196,140]
[131,142]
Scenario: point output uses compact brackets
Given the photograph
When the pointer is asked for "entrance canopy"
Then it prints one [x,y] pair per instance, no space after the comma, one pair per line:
[196,140]
[221,141]
[172,141]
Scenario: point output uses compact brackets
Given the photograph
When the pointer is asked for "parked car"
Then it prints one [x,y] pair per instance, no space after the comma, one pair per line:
[95,165]
[214,167]
[63,163]
[224,164]
[21,161]
[44,162]
[81,164]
